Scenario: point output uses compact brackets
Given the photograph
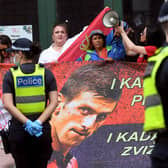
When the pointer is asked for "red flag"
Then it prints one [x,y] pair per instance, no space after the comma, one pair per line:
[77,49]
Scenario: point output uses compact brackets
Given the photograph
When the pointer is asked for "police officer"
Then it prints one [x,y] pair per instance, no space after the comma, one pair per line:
[156,96]
[26,91]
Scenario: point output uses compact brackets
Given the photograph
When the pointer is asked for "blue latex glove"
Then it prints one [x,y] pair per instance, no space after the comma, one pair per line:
[37,128]
[28,127]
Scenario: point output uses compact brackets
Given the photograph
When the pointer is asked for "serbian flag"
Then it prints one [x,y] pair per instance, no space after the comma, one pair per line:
[78,47]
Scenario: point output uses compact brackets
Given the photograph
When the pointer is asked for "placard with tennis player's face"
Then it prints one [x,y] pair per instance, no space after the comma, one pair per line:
[111,134]
[85,101]
[120,136]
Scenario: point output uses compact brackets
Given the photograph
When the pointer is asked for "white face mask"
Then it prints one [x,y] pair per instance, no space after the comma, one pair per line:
[16,58]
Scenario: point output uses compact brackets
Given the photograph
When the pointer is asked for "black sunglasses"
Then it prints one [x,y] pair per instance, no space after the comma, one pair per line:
[3,49]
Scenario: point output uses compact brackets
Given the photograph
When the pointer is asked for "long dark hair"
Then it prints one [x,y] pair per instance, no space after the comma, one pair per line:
[5,40]
[155,35]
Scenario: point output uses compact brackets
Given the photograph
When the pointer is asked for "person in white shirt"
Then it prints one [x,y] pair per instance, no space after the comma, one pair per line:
[60,43]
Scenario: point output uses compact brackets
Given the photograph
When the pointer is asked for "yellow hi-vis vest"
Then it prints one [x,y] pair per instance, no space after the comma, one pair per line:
[29,90]
[154,114]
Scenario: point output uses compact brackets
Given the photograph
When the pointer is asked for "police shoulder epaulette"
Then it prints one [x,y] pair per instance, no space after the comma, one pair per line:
[41,65]
[15,67]
[158,51]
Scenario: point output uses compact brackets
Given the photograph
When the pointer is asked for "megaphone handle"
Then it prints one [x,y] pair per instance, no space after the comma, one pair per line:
[119,22]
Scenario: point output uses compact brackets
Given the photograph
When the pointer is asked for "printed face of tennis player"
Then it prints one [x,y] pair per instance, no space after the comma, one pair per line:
[81,117]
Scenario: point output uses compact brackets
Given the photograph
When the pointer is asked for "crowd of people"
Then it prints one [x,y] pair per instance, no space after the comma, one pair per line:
[117,45]
[103,47]
[30,92]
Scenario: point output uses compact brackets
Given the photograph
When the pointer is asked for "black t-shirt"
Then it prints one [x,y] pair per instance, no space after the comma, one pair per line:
[8,83]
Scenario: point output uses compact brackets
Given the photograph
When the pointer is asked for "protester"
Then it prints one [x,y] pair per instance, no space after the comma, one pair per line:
[105,48]
[156,93]
[26,90]
[152,37]
[59,45]
[6,159]
[97,49]
[5,43]
[86,100]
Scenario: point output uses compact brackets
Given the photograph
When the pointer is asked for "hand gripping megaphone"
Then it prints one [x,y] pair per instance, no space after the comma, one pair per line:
[111,19]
